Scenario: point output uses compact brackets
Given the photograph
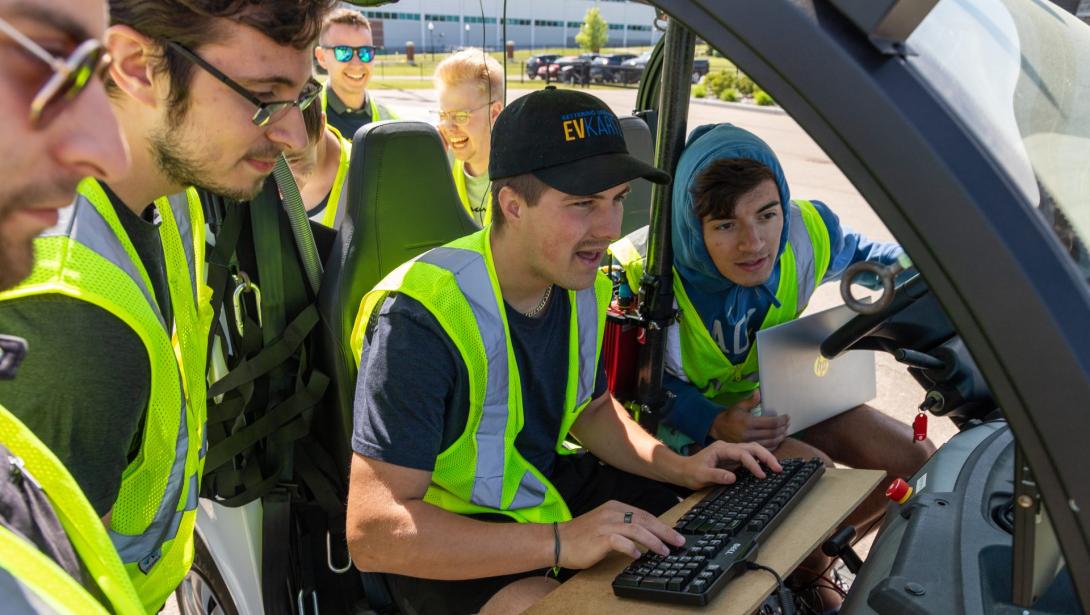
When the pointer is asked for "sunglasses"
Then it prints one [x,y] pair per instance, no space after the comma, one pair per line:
[461,118]
[70,76]
[266,111]
[343,53]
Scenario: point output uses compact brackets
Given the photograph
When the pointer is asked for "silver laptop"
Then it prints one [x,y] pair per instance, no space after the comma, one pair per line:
[796,380]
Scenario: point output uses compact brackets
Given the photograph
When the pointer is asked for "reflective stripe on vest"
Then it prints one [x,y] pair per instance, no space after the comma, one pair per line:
[457,170]
[807,255]
[482,471]
[88,256]
[80,522]
[335,206]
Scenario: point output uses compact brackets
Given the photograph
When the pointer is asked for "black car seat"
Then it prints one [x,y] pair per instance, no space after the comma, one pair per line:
[401,202]
[637,207]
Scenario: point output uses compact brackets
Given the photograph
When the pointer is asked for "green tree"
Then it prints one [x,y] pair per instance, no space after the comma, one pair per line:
[594,32]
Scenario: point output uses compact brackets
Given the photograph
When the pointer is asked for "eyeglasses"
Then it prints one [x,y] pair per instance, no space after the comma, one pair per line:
[461,118]
[70,76]
[343,53]
[266,111]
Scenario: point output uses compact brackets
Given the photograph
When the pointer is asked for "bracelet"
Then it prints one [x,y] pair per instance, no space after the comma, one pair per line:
[556,549]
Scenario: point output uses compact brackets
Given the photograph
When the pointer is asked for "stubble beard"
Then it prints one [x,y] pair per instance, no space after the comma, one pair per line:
[182,166]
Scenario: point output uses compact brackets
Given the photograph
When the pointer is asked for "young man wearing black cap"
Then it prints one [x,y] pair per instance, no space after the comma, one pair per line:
[480,358]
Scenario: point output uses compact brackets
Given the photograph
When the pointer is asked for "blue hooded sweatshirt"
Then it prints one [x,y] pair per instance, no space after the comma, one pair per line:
[733,313]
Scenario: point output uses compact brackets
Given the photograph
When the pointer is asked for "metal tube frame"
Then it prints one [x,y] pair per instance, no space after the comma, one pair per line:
[656,287]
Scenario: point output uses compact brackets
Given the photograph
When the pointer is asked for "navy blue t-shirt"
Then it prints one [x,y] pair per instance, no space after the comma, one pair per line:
[412,395]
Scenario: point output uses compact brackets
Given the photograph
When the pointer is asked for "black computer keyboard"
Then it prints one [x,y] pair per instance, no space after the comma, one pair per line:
[721,533]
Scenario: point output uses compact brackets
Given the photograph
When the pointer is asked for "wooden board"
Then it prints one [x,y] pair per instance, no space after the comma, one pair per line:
[836,495]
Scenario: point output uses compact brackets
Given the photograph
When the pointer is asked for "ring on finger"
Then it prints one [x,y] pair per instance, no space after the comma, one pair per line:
[628,517]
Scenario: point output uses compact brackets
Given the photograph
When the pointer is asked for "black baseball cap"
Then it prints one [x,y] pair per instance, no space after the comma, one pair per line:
[570,140]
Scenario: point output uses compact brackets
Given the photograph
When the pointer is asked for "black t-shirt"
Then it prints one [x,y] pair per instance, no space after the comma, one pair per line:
[412,396]
[346,121]
[84,386]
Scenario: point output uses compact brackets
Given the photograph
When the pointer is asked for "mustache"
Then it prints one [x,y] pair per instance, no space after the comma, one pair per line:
[269,152]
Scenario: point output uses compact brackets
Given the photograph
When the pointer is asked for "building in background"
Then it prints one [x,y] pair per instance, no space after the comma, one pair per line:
[444,25]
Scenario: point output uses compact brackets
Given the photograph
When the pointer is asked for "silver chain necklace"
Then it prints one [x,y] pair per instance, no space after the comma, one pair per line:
[540,306]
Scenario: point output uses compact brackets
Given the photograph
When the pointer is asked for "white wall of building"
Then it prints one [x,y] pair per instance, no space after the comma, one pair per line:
[531,24]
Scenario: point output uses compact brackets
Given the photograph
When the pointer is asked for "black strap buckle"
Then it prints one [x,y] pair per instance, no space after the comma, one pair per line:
[12,352]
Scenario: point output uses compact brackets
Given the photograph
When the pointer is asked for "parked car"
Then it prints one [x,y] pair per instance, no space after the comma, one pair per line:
[568,68]
[632,70]
[536,62]
[606,69]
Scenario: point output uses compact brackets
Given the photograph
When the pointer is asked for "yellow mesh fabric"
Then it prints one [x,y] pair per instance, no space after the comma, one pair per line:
[44,577]
[77,516]
[69,268]
[453,477]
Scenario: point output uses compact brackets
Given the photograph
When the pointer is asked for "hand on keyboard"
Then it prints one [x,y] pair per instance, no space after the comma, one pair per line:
[588,538]
[721,532]
[710,465]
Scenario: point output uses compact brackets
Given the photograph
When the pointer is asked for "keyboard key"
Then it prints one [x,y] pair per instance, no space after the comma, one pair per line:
[655,583]
[627,580]
[698,586]
[676,584]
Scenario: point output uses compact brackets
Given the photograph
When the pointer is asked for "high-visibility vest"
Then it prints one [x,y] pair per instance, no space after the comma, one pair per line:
[483,471]
[801,267]
[378,110]
[88,256]
[457,169]
[49,585]
[335,206]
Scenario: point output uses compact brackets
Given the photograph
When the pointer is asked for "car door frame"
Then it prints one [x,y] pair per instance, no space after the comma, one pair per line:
[987,255]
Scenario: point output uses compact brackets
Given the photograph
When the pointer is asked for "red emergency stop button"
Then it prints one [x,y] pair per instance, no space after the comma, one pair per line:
[899,491]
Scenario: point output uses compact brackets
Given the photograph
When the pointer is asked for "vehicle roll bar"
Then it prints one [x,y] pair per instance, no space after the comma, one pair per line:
[656,286]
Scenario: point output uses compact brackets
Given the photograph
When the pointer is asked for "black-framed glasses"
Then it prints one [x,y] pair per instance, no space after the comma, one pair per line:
[461,118]
[70,76]
[343,53]
[266,111]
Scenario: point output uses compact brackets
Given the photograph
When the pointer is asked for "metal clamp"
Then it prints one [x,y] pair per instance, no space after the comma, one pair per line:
[243,284]
[329,557]
[302,606]
[886,274]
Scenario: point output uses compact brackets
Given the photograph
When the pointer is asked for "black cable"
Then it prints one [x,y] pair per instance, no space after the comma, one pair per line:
[787,606]
[480,208]
[503,45]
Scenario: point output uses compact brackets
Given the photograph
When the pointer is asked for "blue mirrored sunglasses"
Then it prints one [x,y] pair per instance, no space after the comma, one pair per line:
[343,53]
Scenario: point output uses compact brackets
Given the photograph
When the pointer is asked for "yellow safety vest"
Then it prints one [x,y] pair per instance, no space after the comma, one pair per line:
[802,266]
[457,169]
[333,213]
[50,584]
[379,111]
[88,256]
[483,471]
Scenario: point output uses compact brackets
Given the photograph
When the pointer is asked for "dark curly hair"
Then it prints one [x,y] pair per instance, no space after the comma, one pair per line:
[193,23]
[719,186]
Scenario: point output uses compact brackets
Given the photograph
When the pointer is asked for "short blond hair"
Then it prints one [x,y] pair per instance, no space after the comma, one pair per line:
[346,17]
[472,65]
